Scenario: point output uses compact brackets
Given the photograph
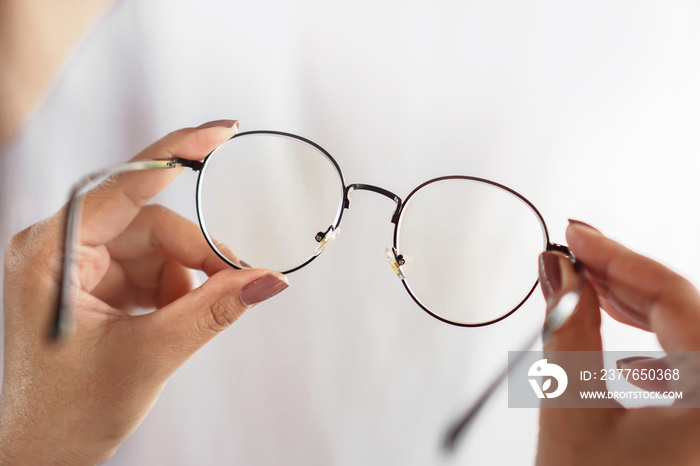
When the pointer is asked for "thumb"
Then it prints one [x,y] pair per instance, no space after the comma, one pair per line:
[179,329]
[576,345]
[580,331]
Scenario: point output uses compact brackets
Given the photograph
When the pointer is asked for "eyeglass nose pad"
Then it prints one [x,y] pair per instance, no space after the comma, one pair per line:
[396,260]
[324,239]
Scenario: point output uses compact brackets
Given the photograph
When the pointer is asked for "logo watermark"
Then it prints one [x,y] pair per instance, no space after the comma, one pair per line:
[595,379]
[548,372]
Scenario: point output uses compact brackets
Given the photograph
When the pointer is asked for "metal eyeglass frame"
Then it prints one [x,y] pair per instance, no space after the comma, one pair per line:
[61,323]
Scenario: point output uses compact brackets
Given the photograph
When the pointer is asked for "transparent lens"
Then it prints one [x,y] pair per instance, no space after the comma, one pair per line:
[263,198]
[470,249]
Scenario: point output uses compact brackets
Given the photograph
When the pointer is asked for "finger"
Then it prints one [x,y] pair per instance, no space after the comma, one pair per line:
[617,310]
[653,370]
[112,288]
[159,229]
[176,282]
[163,280]
[179,329]
[581,332]
[669,303]
[577,344]
[110,207]
[144,271]
[566,428]
[151,257]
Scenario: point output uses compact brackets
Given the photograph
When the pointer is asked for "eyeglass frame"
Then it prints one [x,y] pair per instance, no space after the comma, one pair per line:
[61,322]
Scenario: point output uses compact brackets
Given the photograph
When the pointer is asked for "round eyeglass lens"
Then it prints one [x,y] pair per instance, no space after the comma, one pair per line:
[471,249]
[263,197]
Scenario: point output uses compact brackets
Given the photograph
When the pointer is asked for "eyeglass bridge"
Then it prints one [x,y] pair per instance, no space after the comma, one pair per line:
[375,189]
[321,236]
[395,259]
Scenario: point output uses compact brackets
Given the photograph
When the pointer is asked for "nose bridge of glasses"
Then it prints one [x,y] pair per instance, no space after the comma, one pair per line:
[375,189]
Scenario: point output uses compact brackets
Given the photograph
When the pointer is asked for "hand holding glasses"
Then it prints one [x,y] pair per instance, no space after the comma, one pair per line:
[465,248]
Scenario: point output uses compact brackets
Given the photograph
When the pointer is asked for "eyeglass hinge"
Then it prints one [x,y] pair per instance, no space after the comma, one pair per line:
[560,248]
[195,165]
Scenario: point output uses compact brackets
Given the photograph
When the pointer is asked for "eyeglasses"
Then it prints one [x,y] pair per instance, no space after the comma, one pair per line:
[465,248]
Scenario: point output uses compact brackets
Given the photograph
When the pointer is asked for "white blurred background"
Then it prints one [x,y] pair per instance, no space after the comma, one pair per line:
[589,109]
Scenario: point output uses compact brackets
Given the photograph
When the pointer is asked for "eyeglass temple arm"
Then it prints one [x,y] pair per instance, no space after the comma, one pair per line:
[554,320]
[62,320]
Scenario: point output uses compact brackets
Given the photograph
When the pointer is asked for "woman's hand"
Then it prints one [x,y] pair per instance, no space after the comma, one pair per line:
[75,401]
[640,292]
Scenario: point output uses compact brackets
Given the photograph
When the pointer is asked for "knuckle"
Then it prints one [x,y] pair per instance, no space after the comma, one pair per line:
[220,314]
[226,251]
[114,186]
[155,210]
[15,252]
[678,296]
[33,247]
[158,213]
[135,197]
[153,213]
[685,290]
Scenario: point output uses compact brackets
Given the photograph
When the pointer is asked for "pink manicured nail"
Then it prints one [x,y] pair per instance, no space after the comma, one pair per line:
[550,273]
[263,288]
[582,224]
[222,123]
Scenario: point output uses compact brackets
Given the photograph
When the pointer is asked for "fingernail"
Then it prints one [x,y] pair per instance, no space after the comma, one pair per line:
[222,123]
[263,288]
[621,363]
[245,264]
[550,273]
[561,287]
[582,224]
